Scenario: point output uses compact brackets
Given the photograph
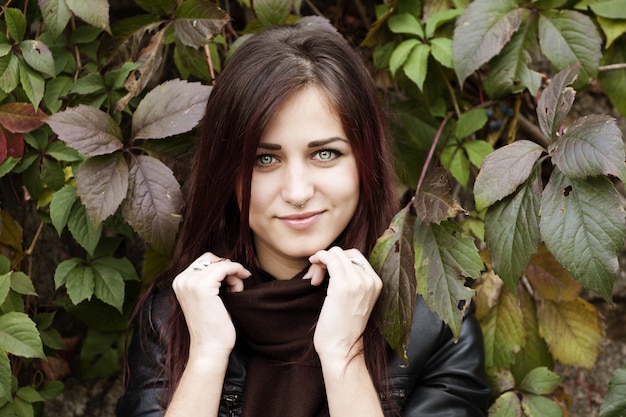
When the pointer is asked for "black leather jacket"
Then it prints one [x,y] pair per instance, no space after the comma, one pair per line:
[442,378]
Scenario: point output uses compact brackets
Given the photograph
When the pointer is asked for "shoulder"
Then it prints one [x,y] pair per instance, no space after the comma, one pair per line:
[442,373]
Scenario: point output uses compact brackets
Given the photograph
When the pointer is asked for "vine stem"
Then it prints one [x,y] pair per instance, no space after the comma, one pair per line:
[31,248]
[431,152]
[207,51]
[612,67]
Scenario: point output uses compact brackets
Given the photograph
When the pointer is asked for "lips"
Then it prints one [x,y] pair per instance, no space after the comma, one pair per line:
[301,221]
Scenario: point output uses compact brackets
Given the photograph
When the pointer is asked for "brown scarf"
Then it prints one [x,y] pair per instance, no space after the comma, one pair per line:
[276,319]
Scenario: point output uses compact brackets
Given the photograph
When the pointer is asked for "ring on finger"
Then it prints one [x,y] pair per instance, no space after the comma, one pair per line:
[200,264]
[358,262]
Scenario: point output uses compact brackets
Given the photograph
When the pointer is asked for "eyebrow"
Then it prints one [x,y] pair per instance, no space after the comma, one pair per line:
[312,144]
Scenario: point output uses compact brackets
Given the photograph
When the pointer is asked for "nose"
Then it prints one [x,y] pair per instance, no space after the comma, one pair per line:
[298,185]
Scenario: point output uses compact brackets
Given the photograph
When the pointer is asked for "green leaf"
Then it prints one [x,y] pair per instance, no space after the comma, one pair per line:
[79,279]
[416,64]
[509,71]
[614,82]
[540,381]
[109,284]
[52,173]
[9,73]
[123,265]
[94,12]
[611,9]
[582,224]
[439,18]
[100,354]
[5,286]
[51,390]
[506,405]
[568,37]
[405,23]
[19,336]
[102,184]
[591,145]
[33,84]
[400,54]
[22,284]
[504,170]
[443,258]
[512,232]
[614,402]
[63,270]
[56,15]
[392,259]
[158,7]
[115,79]
[454,159]
[477,151]
[538,406]
[89,84]
[55,89]
[441,49]
[481,33]
[470,122]
[503,329]
[5,378]
[88,130]
[20,117]
[82,229]
[156,118]
[556,101]
[61,207]
[38,56]
[199,21]
[28,394]
[154,202]
[59,151]
[16,22]
[272,12]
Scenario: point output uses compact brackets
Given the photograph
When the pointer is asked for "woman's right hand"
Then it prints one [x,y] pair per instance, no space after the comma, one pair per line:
[211,330]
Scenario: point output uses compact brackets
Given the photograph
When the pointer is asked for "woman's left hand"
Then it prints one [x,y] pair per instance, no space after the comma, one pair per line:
[353,289]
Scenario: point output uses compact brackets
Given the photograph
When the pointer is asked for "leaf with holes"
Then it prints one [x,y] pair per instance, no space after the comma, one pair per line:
[433,203]
[392,259]
[582,224]
[591,145]
[512,232]
[443,258]
[556,101]
[87,129]
[38,56]
[481,33]
[504,170]
[102,184]
[154,201]
[156,118]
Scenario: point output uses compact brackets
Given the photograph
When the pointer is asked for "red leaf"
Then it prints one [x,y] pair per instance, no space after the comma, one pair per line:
[15,144]
[20,117]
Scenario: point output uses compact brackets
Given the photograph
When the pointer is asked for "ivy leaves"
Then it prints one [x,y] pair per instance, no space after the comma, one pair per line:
[112,177]
[502,34]
[579,217]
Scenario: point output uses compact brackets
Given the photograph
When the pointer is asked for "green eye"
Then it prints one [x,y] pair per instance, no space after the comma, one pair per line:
[325,154]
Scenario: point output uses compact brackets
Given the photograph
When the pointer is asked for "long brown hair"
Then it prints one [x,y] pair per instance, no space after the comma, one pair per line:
[260,76]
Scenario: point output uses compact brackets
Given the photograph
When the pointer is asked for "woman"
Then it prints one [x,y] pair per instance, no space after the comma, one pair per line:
[266,308]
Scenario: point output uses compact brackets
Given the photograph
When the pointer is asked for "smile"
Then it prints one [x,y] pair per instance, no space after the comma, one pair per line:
[301,221]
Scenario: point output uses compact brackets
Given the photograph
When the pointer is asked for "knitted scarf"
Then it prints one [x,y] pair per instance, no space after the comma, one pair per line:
[276,320]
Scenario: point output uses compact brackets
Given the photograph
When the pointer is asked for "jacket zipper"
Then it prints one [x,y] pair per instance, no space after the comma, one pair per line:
[230,400]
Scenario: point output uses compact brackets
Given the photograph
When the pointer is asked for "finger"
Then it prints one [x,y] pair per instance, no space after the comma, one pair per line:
[316,273]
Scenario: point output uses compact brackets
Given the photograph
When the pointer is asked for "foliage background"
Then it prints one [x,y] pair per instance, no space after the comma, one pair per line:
[100,100]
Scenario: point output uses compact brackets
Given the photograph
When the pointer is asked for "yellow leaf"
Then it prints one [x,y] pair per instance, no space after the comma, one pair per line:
[549,279]
[503,330]
[573,331]
[11,237]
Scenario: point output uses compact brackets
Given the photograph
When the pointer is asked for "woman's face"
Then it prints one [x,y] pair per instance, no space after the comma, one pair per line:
[303,158]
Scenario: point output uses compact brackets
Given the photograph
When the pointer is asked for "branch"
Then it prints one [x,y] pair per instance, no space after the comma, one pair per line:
[612,67]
